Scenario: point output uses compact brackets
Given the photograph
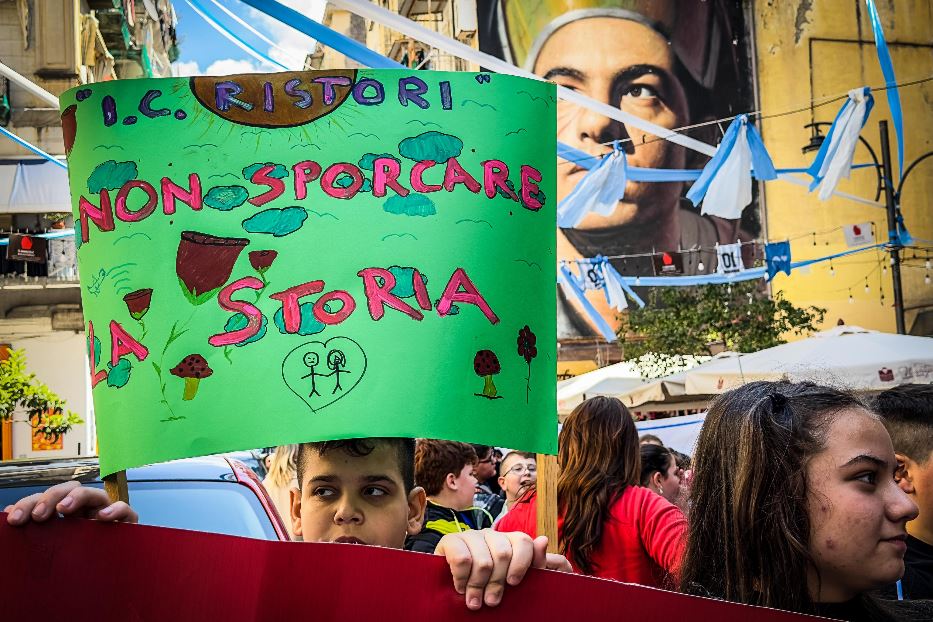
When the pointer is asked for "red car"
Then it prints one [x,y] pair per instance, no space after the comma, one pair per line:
[214,494]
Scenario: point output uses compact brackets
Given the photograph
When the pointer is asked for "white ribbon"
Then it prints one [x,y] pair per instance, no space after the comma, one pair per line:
[843,138]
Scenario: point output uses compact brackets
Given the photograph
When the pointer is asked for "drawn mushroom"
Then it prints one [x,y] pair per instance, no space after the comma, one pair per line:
[192,368]
[486,365]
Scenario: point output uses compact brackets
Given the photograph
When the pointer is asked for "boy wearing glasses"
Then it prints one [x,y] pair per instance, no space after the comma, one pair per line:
[519,475]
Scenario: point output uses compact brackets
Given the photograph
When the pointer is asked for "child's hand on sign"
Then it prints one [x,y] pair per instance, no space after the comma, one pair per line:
[69,499]
[482,562]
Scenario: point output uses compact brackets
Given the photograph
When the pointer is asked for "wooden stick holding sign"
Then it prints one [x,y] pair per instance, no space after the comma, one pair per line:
[116,487]
[548,471]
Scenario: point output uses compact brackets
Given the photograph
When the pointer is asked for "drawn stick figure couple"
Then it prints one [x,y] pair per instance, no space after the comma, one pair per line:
[336,362]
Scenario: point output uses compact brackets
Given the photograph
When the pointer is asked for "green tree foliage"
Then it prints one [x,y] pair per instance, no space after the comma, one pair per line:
[20,390]
[701,320]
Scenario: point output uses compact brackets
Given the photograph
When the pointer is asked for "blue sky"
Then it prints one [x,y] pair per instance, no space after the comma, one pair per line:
[205,50]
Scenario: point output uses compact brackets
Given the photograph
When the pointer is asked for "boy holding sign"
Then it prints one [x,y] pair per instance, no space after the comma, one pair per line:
[357,491]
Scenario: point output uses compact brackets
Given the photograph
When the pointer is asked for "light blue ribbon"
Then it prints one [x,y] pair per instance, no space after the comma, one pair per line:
[212,21]
[890,81]
[614,274]
[762,165]
[26,145]
[814,169]
[602,186]
[348,47]
[569,281]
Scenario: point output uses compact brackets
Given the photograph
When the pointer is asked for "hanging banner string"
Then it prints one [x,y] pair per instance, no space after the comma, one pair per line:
[27,145]
[29,85]
[719,279]
[360,53]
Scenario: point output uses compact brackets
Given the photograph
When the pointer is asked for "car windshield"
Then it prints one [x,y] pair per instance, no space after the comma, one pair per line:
[216,507]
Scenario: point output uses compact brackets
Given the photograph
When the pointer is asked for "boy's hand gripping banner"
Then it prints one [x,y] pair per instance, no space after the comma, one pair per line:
[277,258]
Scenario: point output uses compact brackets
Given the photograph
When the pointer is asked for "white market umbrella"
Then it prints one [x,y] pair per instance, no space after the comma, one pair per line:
[846,356]
[610,380]
[669,392]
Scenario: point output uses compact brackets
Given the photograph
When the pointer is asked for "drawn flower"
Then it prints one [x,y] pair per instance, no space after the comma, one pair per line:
[138,303]
[204,263]
[192,368]
[261,260]
[486,365]
[526,344]
[527,350]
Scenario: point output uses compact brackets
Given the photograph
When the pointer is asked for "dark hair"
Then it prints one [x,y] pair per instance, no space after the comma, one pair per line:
[359,447]
[482,450]
[435,459]
[907,413]
[650,438]
[683,460]
[749,532]
[654,459]
[598,457]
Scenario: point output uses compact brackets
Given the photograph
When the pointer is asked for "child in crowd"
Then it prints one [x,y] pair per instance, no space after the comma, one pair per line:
[487,468]
[650,439]
[446,472]
[281,479]
[609,526]
[489,495]
[354,491]
[907,413]
[794,505]
[519,475]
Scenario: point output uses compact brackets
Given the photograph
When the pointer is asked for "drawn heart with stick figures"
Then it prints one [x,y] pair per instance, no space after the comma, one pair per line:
[320,373]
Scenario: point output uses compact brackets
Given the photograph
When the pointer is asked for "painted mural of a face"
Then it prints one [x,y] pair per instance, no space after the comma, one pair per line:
[656,60]
[630,66]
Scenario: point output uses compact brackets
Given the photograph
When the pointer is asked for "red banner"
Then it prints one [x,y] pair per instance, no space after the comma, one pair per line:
[75,569]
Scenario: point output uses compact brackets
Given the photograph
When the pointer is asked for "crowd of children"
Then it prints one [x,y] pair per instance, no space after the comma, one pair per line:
[796,499]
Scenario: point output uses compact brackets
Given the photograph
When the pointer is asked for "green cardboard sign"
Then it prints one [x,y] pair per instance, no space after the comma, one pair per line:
[278,258]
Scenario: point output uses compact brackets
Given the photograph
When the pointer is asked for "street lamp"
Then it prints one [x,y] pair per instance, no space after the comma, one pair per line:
[892,201]
[816,141]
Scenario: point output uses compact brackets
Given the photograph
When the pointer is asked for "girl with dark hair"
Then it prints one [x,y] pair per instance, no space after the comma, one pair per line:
[660,472]
[794,505]
[608,525]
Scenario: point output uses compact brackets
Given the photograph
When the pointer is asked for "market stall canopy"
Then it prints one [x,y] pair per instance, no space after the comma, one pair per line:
[610,380]
[33,187]
[846,356]
[669,392]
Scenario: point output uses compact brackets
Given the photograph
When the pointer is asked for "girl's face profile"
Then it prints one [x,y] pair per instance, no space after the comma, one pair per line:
[857,512]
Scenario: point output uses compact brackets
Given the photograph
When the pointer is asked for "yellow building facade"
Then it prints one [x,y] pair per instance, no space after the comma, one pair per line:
[814,51]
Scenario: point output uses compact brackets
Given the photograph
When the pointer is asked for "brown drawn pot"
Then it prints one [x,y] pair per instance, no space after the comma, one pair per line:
[204,262]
